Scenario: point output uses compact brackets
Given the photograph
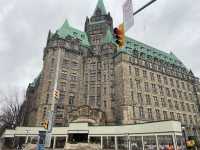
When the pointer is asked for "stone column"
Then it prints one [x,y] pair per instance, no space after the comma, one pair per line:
[174,140]
[116,145]
[157,142]
[101,142]
[142,143]
[54,142]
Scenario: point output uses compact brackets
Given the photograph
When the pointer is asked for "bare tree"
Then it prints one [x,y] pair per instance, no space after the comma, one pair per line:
[12,111]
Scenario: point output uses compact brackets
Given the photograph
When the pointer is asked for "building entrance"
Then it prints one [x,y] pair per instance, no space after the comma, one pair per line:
[78,138]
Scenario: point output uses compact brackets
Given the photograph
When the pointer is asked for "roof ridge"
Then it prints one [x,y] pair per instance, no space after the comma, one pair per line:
[149,50]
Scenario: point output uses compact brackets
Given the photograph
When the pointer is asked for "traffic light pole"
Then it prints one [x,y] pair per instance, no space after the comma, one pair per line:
[143,7]
[52,110]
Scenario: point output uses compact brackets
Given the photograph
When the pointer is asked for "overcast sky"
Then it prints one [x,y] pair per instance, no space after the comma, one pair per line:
[169,25]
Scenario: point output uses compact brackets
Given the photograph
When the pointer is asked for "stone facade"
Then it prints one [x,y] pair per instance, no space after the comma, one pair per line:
[135,84]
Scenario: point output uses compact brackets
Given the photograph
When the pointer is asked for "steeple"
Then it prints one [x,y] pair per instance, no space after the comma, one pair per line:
[100,6]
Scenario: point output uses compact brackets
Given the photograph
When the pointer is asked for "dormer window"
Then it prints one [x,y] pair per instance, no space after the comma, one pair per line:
[75,33]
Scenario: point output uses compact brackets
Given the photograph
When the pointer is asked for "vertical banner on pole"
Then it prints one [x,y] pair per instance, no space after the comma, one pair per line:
[48,140]
[49,130]
[128,17]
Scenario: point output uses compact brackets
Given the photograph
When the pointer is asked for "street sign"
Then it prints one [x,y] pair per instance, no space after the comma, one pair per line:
[128,17]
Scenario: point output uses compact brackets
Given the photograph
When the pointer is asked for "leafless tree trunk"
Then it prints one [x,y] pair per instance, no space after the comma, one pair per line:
[12,111]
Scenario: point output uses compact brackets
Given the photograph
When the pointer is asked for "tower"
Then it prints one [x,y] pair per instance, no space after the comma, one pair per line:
[96,26]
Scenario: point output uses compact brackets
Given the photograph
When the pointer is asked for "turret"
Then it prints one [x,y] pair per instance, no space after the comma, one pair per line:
[97,25]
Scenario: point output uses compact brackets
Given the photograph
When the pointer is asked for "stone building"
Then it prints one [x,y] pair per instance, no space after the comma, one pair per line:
[104,84]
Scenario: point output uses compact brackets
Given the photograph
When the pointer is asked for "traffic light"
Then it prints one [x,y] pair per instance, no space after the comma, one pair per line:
[56,94]
[119,33]
[45,124]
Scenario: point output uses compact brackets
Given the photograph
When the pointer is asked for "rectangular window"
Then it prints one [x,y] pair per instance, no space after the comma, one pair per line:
[168,92]
[150,116]
[105,104]
[193,108]
[132,96]
[161,90]
[131,83]
[190,97]
[141,112]
[185,118]
[183,85]
[172,115]
[146,87]
[180,95]
[174,93]
[156,102]
[165,81]
[165,115]
[188,87]
[159,78]
[177,84]
[170,104]
[104,90]
[137,72]
[92,101]
[130,71]
[154,89]
[183,106]
[138,84]
[71,100]
[104,77]
[140,99]
[62,97]
[190,118]
[188,107]
[148,99]
[179,117]
[145,74]
[176,105]
[152,76]
[171,82]
[163,102]
[52,62]
[158,114]
[185,95]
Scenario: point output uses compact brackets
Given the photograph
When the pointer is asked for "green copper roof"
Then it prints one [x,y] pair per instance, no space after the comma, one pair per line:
[67,30]
[100,5]
[108,38]
[148,51]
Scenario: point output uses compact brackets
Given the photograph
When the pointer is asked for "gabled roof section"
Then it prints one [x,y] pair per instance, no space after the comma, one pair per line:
[149,51]
[108,38]
[67,30]
[101,6]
